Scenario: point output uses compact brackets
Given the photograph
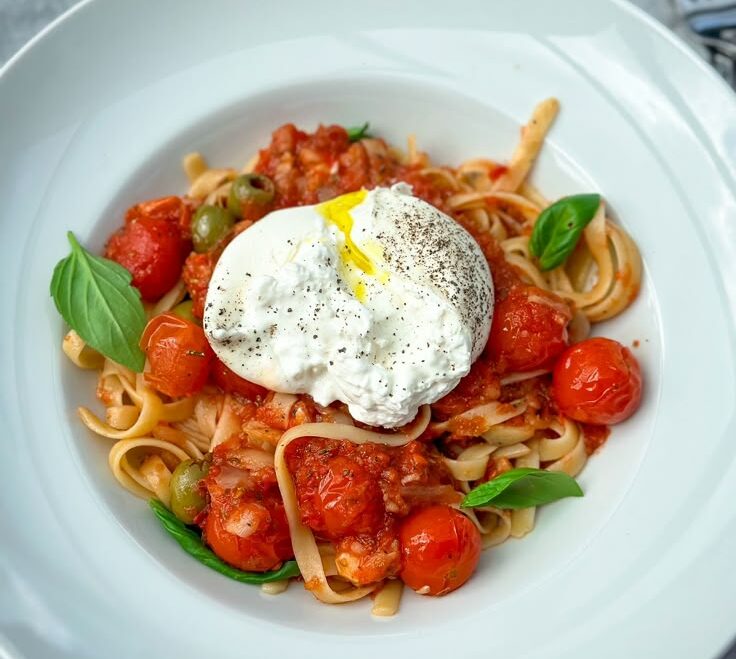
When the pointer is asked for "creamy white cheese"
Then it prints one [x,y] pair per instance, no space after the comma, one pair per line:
[375,299]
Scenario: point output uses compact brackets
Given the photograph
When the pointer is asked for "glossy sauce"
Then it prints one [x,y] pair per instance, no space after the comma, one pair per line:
[354,495]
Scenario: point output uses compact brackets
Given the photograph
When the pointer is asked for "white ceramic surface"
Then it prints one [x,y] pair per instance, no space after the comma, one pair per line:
[96,114]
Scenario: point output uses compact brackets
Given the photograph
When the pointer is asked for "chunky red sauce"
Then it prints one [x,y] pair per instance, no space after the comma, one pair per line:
[245,523]
[481,385]
[359,497]
[354,494]
[310,168]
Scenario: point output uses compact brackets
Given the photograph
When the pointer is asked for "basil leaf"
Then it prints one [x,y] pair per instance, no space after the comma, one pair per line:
[558,228]
[191,542]
[523,488]
[356,133]
[95,298]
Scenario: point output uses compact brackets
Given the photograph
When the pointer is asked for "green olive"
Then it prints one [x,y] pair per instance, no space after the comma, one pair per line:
[184,310]
[250,189]
[209,226]
[187,499]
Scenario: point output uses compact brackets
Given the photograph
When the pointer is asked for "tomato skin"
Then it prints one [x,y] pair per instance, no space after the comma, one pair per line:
[230,382]
[337,486]
[178,353]
[259,552]
[347,489]
[597,381]
[152,250]
[440,550]
[172,209]
[345,501]
[245,522]
[529,329]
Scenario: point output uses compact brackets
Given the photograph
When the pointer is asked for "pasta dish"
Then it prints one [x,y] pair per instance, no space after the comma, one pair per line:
[347,366]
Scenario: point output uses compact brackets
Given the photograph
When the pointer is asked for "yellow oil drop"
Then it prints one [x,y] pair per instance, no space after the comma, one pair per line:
[353,259]
[359,290]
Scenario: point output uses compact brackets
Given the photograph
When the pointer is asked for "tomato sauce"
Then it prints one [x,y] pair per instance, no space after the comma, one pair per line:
[360,497]
[245,522]
[594,436]
[481,385]
[504,275]
[311,168]
[196,273]
[354,494]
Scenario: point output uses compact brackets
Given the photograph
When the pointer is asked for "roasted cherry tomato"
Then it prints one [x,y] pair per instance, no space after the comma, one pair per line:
[232,383]
[245,522]
[346,499]
[338,494]
[178,354]
[597,381]
[172,209]
[440,550]
[529,329]
[262,550]
[153,251]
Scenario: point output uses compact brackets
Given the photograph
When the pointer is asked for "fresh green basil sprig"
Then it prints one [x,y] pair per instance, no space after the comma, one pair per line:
[523,488]
[357,133]
[559,227]
[95,298]
[191,542]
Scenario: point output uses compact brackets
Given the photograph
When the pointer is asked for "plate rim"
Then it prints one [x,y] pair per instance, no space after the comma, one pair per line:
[652,23]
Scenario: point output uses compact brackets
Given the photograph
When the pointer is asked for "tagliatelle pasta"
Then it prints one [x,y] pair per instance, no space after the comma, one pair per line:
[282,476]
[305,546]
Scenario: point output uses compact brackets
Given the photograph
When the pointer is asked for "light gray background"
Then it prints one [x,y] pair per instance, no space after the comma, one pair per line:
[21,19]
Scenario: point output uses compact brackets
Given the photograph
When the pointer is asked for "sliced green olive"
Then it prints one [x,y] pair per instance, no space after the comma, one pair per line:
[184,310]
[187,498]
[250,190]
[210,224]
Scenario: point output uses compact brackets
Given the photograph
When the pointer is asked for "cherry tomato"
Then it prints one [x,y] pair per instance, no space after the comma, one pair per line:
[172,209]
[230,382]
[263,550]
[597,381]
[440,550]
[529,329]
[337,490]
[178,354]
[176,210]
[245,522]
[345,497]
[152,250]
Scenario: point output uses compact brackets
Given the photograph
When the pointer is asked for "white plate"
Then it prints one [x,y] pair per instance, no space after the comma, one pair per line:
[96,114]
